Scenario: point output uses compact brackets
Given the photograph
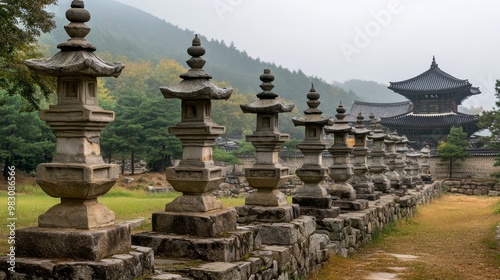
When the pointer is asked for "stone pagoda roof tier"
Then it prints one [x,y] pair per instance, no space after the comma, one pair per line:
[378,109]
[73,63]
[432,83]
[429,120]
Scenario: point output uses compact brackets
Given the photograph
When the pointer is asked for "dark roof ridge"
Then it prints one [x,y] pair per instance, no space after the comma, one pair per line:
[381,104]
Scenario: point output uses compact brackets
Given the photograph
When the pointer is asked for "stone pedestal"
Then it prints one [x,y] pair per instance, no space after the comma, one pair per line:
[414,167]
[425,166]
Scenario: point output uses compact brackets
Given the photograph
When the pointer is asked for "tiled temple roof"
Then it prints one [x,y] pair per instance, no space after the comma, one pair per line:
[378,109]
[411,120]
[434,81]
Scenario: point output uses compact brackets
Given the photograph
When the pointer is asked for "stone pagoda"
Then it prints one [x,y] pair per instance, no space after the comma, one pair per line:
[360,181]
[401,165]
[425,164]
[390,160]
[414,167]
[313,197]
[79,229]
[197,212]
[378,168]
[267,204]
[343,194]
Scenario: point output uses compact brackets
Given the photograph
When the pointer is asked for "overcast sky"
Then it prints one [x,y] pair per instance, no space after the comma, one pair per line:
[338,40]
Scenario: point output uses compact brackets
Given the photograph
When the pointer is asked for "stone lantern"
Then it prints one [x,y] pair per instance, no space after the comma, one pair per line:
[267,173]
[390,161]
[401,166]
[79,227]
[414,167]
[361,183]
[313,197]
[378,167]
[425,165]
[197,212]
[343,194]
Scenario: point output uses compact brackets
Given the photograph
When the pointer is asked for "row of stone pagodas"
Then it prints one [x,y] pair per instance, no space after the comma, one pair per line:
[79,237]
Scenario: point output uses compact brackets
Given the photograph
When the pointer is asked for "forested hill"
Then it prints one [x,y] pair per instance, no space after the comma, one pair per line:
[123,30]
[371,91]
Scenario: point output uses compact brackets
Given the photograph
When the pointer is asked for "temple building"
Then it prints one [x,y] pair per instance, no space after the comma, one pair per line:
[432,108]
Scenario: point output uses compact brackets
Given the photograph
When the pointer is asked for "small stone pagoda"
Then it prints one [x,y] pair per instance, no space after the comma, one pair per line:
[377,166]
[425,165]
[197,212]
[343,194]
[267,204]
[312,196]
[360,181]
[79,228]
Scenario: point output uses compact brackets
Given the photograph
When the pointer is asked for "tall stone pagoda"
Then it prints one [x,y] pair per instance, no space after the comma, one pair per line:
[343,193]
[79,228]
[197,212]
[267,173]
[435,95]
[378,168]
[360,181]
[312,196]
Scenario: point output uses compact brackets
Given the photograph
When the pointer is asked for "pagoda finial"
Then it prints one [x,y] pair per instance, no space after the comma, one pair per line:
[313,101]
[267,85]
[77,29]
[196,62]
[434,64]
[360,120]
[340,112]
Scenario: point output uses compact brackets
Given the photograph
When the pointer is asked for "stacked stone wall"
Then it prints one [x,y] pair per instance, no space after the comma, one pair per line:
[472,187]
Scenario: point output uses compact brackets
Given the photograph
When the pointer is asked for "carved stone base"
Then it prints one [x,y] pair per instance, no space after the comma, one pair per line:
[94,244]
[315,202]
[233,246]
[359,204]
[263,197]
[130,264]
[249,214]
[383,186]
[77,213]
[207,224]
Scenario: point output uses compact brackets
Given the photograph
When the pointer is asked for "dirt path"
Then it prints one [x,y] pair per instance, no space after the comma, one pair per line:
[452,238]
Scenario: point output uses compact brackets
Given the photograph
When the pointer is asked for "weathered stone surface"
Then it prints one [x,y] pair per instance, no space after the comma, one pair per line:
[358,204]
[331,212]
[250,214]
[75,244]
[279,234]
[225,249]
[205,224]
[316,202]
[130,264]
[216,271]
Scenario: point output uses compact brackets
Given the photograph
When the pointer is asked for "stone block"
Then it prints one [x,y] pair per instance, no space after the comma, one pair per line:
[207,224]
[359,204]
[216,271]
[255,264]
[306,225]
[249,214]
[281,254]
[231,248]
[130,264]
[279,234]
[320,214]
[331,224]
[94,244]
[316,202]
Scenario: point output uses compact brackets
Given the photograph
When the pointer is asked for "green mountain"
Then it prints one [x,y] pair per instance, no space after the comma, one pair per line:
[123,30]
[371,91]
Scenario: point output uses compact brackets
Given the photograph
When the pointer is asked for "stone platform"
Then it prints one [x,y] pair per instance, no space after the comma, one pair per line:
[264,214]
[77,244]
[358,204]
[129,264]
